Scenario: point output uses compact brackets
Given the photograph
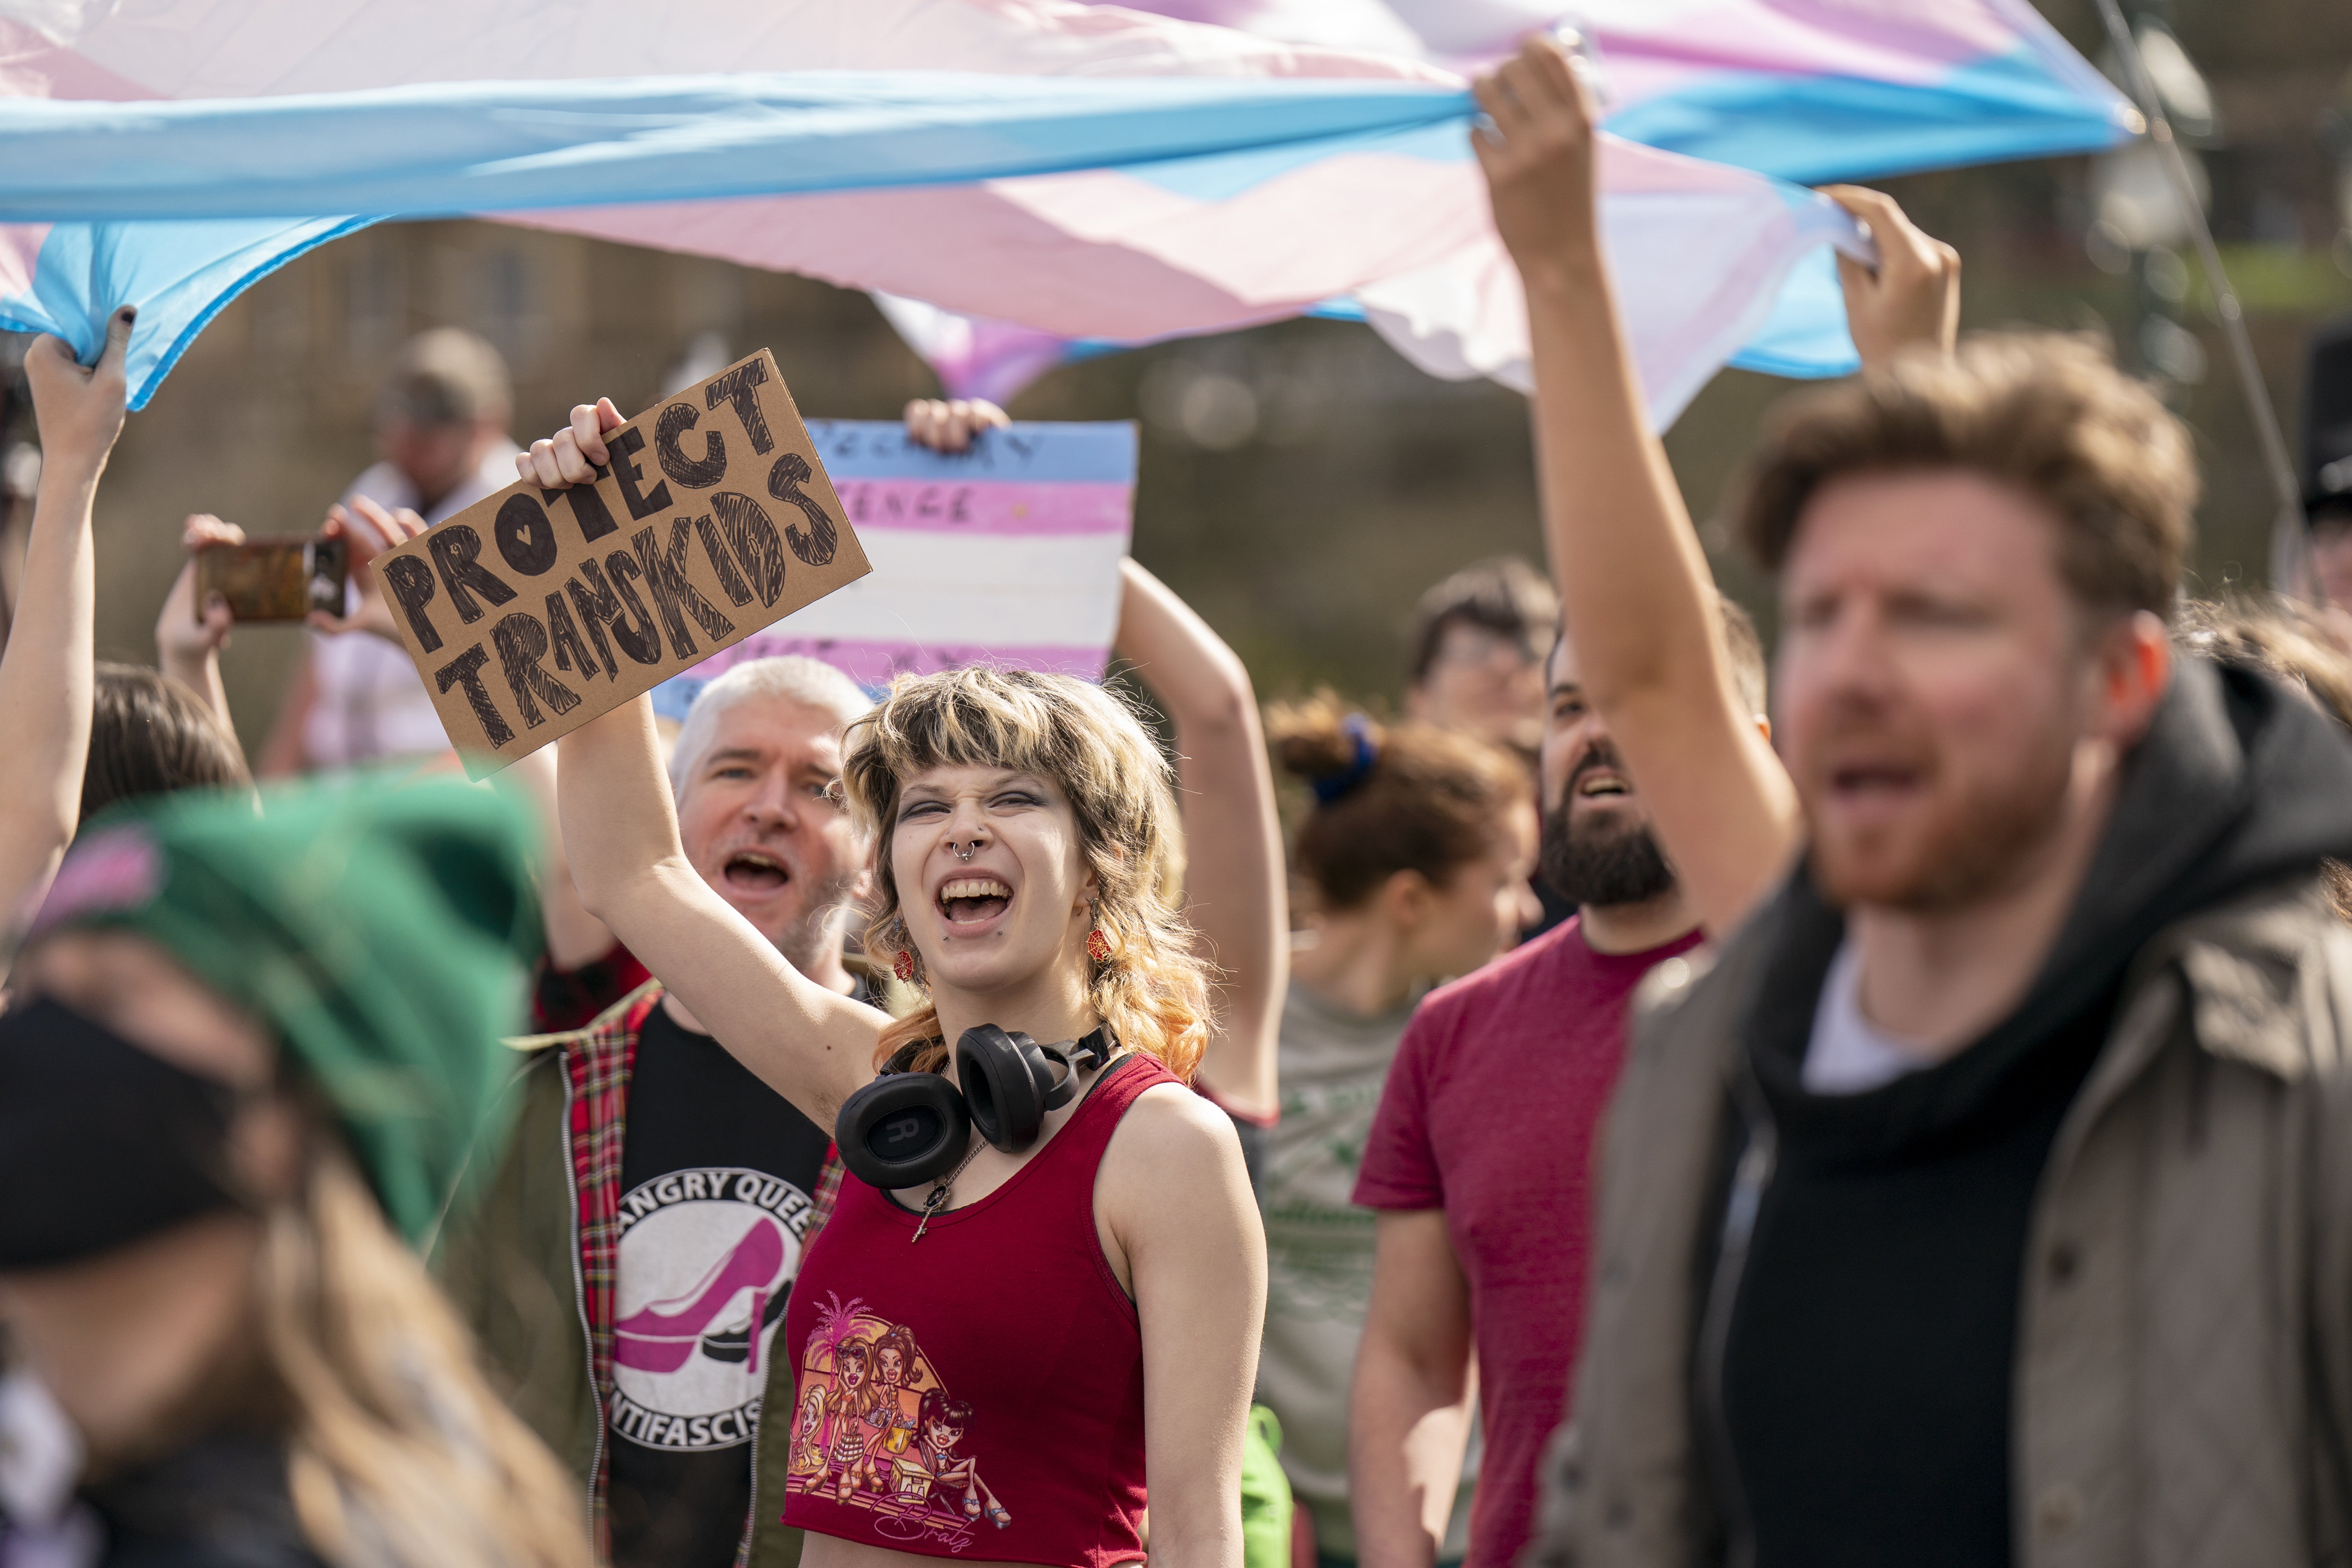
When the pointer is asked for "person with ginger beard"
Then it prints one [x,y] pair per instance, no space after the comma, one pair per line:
[1986,1200]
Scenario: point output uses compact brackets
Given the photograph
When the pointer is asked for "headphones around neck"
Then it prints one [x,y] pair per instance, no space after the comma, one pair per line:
[908,1128]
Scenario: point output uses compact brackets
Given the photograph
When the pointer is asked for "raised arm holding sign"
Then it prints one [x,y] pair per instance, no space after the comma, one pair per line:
[584,585]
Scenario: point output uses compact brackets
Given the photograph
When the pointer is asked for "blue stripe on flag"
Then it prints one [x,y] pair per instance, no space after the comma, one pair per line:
[1816,129]
[871,449]
[449,148]
[1223,175]
[1805,336]
[180,274]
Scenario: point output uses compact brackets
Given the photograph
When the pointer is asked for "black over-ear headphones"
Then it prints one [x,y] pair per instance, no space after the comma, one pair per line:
[908,1128]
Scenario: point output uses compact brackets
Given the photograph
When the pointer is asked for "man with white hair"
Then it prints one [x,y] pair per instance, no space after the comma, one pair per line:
[628,1264]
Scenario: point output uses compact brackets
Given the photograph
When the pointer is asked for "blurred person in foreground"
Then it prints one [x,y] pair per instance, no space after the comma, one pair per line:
[1991,1197]
[1477,1160]
[1412,863]
[246,1064]
[441,438]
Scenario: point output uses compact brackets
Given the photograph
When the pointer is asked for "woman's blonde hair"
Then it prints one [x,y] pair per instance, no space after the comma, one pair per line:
[1151,990]
[400,1453]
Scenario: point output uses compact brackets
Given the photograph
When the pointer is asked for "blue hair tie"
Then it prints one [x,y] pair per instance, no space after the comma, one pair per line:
[1330,788]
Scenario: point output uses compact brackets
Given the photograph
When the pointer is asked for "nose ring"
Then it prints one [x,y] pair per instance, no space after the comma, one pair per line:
[964,852]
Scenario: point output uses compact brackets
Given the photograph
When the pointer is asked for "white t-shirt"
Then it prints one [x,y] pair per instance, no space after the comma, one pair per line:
[1848,1054]
[367,699]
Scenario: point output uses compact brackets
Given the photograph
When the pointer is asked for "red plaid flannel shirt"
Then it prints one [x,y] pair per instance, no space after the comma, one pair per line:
[597,1063]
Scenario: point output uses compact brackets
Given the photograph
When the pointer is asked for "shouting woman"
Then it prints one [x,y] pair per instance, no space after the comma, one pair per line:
[1091,1292]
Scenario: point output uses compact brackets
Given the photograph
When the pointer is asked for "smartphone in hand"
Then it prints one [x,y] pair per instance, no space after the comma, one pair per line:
[274,579]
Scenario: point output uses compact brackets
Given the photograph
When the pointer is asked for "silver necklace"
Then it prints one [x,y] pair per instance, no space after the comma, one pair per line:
[938,1197]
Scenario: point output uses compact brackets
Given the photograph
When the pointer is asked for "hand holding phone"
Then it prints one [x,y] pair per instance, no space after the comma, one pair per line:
[283,579]
[365,530]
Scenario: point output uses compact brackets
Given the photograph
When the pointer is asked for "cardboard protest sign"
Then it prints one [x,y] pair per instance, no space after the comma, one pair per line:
[534,611]
[1007,553]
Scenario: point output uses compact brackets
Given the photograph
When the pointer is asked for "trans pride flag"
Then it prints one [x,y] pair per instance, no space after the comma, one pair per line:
[1084,172]
[1006,554]
[1810,91]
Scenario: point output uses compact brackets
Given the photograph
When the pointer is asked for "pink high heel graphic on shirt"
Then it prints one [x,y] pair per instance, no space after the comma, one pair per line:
[662,1335]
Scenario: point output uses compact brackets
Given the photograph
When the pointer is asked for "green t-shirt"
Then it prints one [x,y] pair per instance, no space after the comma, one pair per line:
[1319,1251]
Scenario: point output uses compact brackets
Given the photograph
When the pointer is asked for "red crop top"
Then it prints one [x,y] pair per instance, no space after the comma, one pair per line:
[979,1393]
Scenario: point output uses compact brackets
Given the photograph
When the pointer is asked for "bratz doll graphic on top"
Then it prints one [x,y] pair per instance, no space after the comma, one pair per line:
[877,1430]
[931,1471]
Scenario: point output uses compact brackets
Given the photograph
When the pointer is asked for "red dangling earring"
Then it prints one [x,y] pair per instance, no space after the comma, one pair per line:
[1097,946]
[905,967]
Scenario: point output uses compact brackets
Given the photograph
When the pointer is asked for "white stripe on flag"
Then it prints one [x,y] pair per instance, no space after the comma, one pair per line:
[933,587]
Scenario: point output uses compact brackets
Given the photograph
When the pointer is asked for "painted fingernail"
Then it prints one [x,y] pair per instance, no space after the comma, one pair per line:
[129,314]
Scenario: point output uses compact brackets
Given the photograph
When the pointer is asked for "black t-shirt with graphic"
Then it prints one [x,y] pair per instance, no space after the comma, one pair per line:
[717,1172]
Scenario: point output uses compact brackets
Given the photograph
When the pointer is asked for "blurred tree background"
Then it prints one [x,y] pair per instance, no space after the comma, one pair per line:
[1300,484]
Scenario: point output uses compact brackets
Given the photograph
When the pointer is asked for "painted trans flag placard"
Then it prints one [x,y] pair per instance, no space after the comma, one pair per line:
[1005,555]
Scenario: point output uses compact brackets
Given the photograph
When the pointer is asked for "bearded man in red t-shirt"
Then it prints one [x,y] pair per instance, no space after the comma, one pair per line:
[1479,1156]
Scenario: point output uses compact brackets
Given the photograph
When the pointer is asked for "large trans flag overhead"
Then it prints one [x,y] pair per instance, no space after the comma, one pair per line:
[1080,171]
[1809,91]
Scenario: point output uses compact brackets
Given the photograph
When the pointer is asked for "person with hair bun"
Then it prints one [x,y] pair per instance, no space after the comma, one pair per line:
[1411,867]
[1102,1334]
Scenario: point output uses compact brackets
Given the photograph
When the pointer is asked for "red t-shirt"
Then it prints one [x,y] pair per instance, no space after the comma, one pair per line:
[1489,1113]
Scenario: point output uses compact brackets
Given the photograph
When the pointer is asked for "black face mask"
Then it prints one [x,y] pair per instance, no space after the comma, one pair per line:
[101,1143]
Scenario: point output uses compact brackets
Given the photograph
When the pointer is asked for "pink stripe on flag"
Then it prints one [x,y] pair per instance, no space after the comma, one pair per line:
[1900,41]
[1093,254]
[873,664]
[20,257]
[33,67]
[986,506]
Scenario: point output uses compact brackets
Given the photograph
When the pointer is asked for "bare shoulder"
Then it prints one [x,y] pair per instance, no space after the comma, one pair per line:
[1172,1140]
[1173,1188]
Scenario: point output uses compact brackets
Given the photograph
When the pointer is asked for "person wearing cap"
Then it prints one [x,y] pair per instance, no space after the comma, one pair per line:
[441,436]
[248,1059]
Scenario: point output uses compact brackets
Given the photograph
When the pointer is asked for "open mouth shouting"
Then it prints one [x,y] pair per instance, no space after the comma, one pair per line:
[1598,778]
[1602,784]
[753,871]
[970,902]
[1867,791]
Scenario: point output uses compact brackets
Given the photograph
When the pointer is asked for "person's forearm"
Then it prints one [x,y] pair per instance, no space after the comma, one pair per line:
[1634,586]
[614,807]
[47,683]
[200,673]
[575,937]
[1236,901]
[1640,609]
[1408,1428]
[1233,881]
